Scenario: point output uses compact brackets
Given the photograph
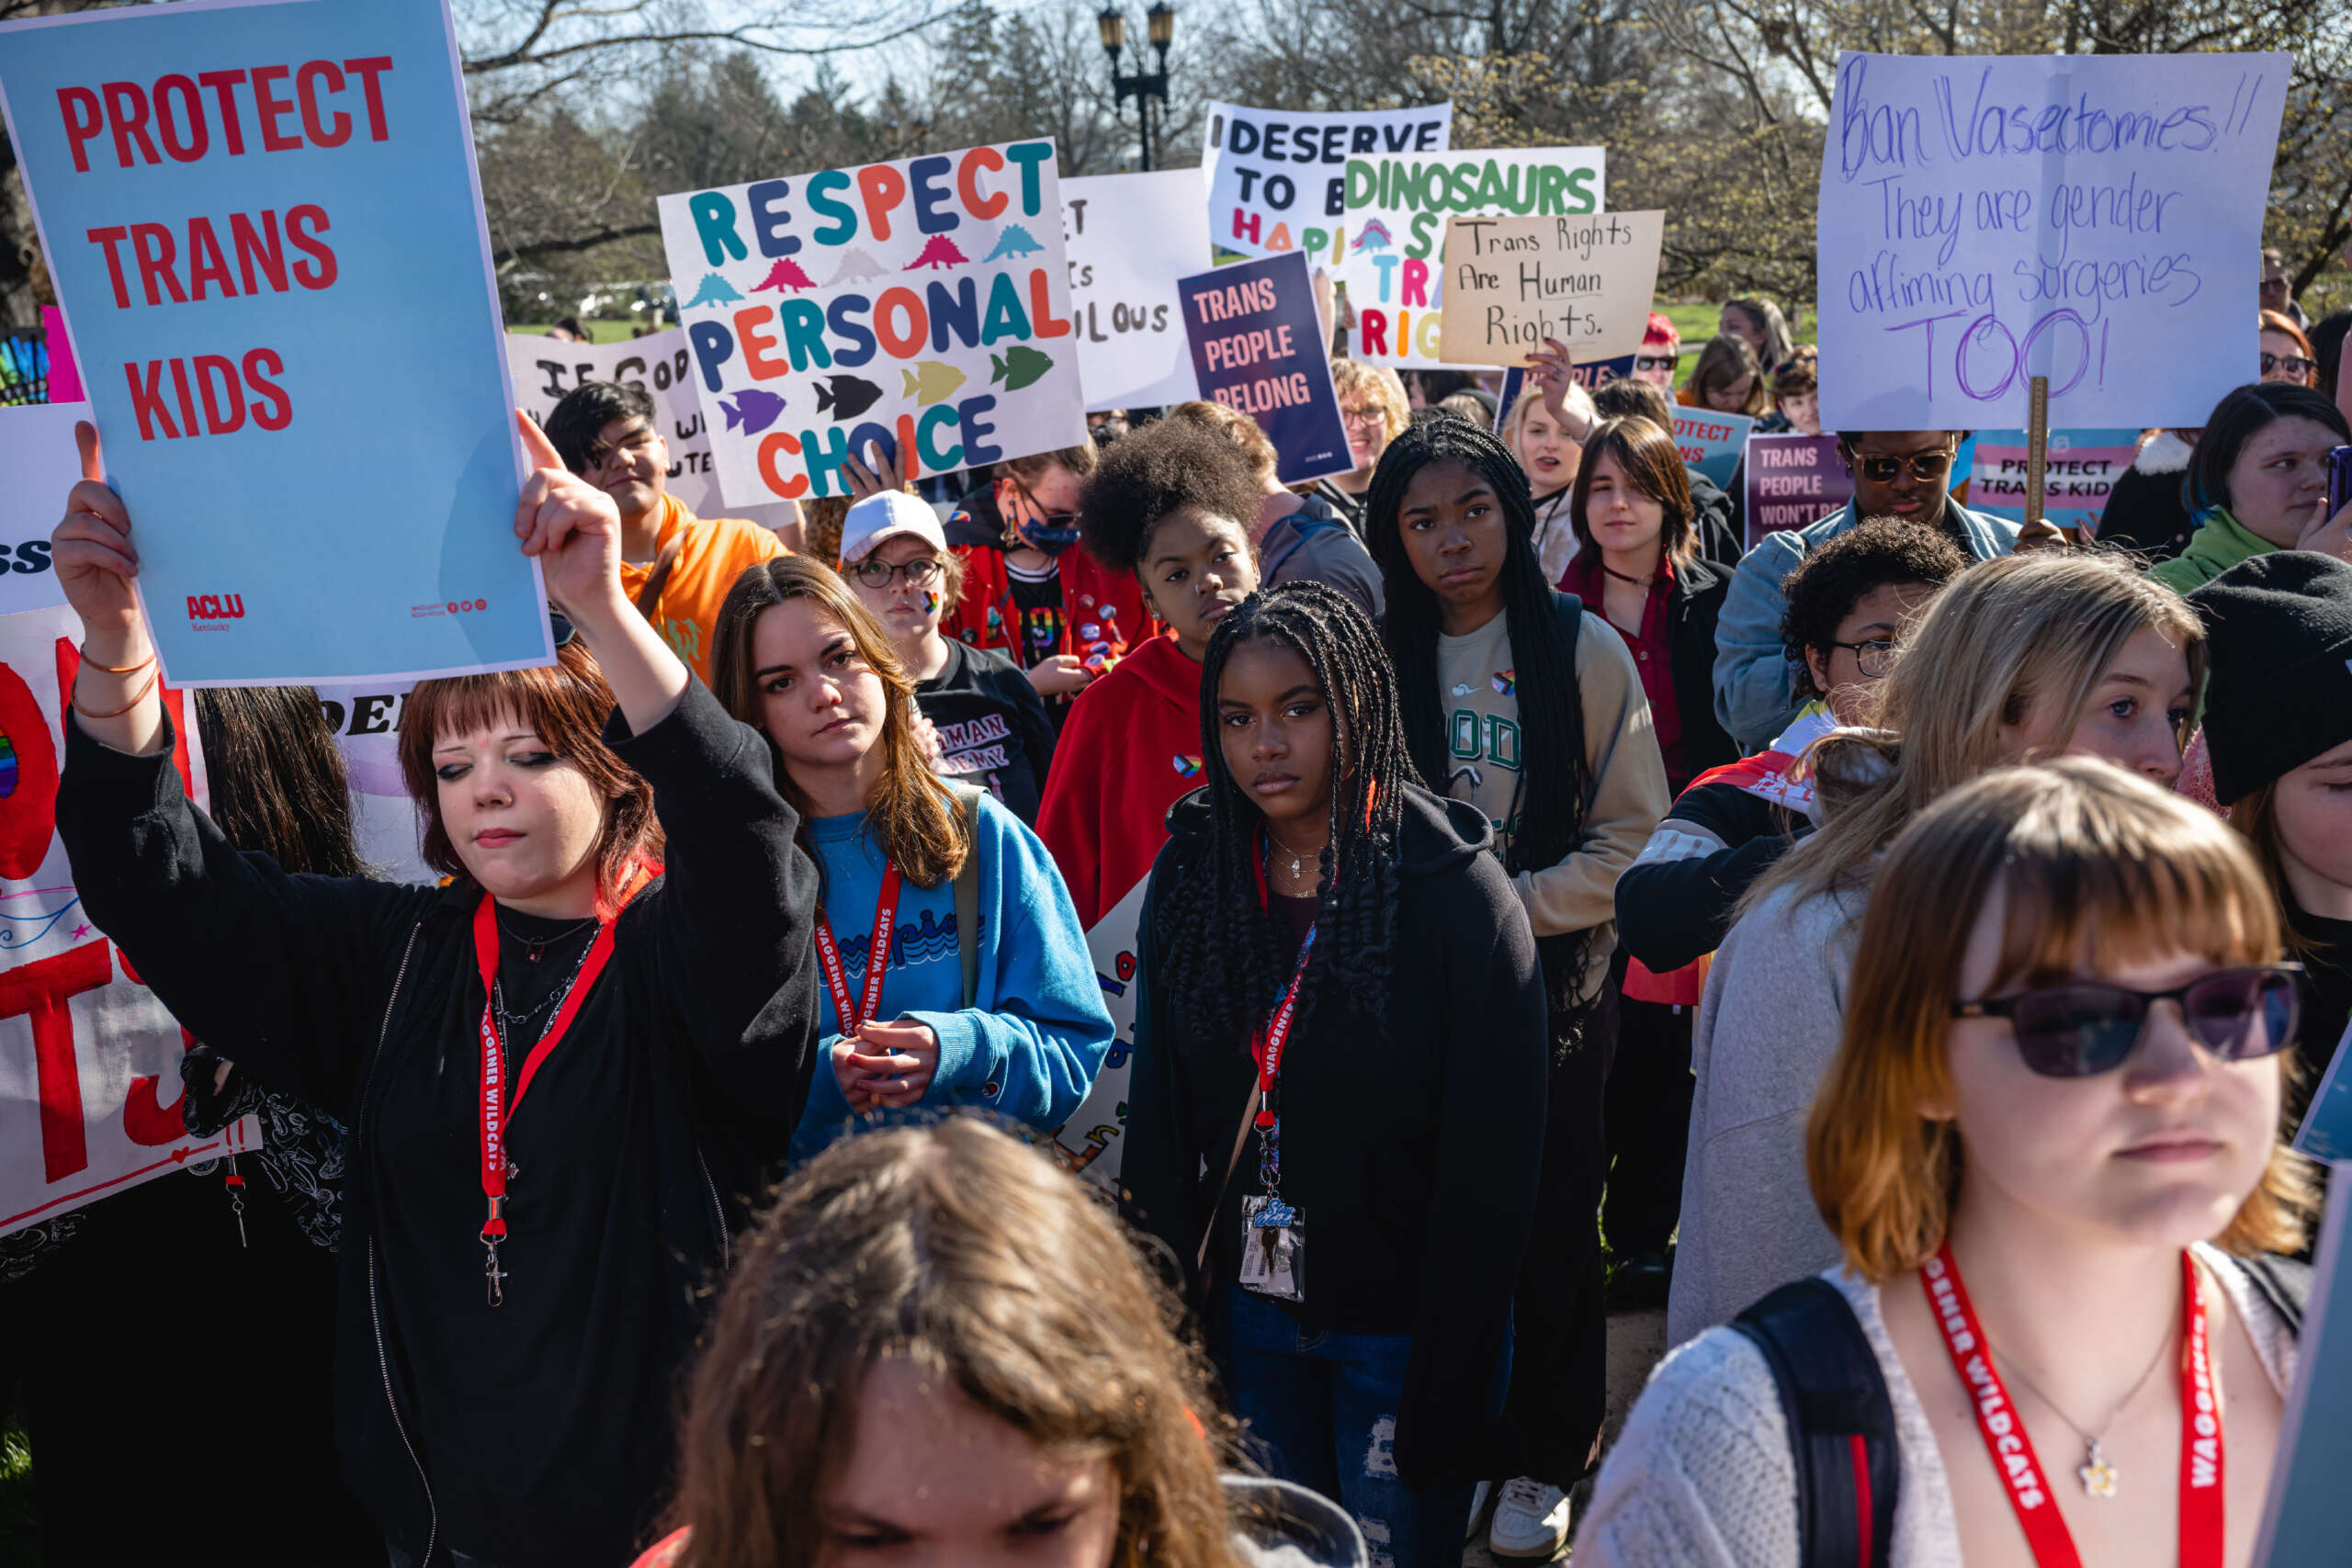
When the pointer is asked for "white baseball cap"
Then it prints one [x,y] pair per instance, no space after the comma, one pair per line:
[887,516]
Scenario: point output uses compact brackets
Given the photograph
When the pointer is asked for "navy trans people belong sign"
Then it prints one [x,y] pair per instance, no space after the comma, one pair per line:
[1258,346]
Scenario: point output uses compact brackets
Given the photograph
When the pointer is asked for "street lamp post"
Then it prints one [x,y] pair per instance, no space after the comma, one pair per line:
[1160,21]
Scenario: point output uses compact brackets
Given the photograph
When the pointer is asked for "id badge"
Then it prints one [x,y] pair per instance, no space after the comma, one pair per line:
[1274,1249]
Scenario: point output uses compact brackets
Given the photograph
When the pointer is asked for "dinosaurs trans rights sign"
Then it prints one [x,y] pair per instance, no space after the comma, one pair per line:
[920,307]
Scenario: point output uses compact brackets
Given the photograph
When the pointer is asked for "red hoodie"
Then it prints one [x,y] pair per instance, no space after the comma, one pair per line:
[1131,749]
[1102,612]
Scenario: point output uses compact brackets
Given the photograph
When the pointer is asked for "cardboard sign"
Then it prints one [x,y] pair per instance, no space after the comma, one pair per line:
[1257,346]
[2307,1515]
[1512,282]
[89,1059]
[1712,443]
[661,364]
[282,301]
[1277,179]
[38,455]
[1394,238]
[2080,469]
[1791,481]
[921,306]
[1130,237]
[2087,218]
[1089,1143]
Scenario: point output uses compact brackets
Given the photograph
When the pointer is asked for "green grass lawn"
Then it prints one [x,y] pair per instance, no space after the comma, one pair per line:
[1697,324]
[601,331]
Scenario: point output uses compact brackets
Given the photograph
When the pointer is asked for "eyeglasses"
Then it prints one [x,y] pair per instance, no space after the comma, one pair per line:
[2292,364]
[1874,655]
[1926,467]
[2083,1028]
[1654,361]
[920,573]
[1373,417]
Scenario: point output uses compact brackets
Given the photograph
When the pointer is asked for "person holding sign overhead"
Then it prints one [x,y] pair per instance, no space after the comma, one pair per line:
[675,567]
[2048,1149]
[969,984]
[517,1294]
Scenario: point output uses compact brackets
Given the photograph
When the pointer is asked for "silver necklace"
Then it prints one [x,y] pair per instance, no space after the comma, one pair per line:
[2100,1477]
[1297,860]
[554,999]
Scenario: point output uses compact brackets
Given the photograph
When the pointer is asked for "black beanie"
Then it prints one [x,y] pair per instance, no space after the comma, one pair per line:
[2279,666]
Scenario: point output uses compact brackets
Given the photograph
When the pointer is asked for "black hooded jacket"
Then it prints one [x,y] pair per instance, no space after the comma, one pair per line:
[535,1433]
[1410,1139]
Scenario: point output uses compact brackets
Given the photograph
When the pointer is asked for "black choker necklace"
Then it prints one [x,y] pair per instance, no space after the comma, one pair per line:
[536,947]
[1638,581]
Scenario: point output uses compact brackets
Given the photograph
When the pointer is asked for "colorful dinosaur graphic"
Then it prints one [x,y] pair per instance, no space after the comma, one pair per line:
[857,267]
[1018,366]
[846,397]
[939,251]
[929,382]
[752,411]
[1373,235]
[785,274]
[1015,241]
[715,290]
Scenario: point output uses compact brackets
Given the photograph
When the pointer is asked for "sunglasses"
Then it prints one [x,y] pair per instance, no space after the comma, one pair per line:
[2083,1028]
[2292,364]
[1654,361]
[1926,467]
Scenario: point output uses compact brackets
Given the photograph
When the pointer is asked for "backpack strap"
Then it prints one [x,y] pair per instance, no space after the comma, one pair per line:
[967,886]
[1841,1423]
[659,577]
[2283,1282]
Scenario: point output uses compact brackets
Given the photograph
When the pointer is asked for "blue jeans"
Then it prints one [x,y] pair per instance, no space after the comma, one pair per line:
[1319,1408]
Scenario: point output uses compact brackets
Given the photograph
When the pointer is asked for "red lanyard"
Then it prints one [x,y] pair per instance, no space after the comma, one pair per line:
[1267,1048]
[848,1016]
[498,1108]
[2012,1450]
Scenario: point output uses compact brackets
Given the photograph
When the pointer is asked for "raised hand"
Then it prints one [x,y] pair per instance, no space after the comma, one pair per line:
[864,481]
[1552,369]
[92,549]
[570,525]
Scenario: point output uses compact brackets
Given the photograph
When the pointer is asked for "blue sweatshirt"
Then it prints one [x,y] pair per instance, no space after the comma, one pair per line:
[1036,1032]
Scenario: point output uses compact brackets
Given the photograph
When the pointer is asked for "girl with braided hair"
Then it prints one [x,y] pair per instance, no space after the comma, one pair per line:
[1355,1275]
[1517,702]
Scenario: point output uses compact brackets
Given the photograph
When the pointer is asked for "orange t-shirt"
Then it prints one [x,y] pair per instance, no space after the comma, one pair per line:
[714,555]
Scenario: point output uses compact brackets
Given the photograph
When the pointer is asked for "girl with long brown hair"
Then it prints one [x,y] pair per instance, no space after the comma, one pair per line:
[2048,1147]
[970,984]
[517,1293]
[939,1349]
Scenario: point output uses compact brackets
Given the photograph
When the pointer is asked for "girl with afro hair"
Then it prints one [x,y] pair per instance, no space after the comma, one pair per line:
[1172,505]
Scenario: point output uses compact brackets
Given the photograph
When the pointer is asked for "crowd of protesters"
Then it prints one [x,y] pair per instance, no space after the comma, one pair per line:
[1539,901]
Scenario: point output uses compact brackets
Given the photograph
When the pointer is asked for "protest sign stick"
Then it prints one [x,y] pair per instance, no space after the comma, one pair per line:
[2036,448]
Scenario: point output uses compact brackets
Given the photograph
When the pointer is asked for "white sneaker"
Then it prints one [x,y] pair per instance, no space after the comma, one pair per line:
[1531,1521]
[1477,1506]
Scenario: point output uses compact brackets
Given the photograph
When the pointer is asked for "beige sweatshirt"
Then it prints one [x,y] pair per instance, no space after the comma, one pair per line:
[1478,690]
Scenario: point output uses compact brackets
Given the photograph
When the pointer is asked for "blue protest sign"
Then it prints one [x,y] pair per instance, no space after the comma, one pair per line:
[265,228]
[1711,441]
[1258,346]
[2307,1513]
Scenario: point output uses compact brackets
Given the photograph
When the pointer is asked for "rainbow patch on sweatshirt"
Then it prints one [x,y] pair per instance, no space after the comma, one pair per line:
[1188,767]
[1506,682]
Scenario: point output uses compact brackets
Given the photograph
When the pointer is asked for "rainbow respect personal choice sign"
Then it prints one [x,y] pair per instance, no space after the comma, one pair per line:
[920,306]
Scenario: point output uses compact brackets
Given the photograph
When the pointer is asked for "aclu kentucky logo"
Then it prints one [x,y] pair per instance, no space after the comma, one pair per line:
[209,611]
[449,607]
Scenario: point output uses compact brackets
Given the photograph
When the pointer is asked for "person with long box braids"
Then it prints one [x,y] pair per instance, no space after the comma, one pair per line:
[1337,1111]
[1520,704]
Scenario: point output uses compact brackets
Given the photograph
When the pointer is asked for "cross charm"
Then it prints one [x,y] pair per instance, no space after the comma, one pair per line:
[495,1275]
[2098,1476]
